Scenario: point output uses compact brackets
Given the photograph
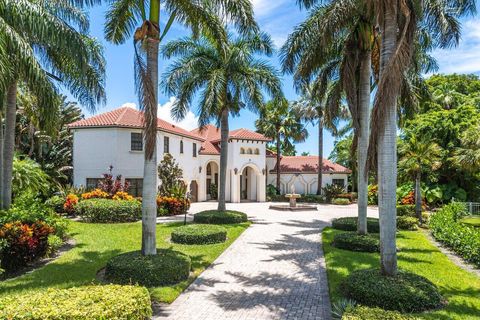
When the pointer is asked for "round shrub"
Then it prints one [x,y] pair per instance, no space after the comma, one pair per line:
[407,223]
[107,210]
[87,302]
[364,313]
[355,242]
[350,224]
[199,234]
[165,268]
[217,217]
[405,292]
[341,201]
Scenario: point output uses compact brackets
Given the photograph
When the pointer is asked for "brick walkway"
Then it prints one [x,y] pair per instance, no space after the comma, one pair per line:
[274,270]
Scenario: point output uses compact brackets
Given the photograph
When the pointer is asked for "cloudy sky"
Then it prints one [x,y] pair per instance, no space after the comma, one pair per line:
[278,18]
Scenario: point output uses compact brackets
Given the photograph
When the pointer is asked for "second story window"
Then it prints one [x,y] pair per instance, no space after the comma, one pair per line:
[181,146]
[136,141]
[166,145]
[194,150]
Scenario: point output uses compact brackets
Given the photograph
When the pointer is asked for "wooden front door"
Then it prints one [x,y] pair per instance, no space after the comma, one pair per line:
[193,191]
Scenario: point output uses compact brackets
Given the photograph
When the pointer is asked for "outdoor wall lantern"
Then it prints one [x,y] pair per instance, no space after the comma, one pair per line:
[235,170]
[263,171]
[200,169]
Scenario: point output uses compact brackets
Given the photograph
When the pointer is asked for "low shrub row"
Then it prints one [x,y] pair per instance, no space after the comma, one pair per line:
[366,313]
[407,223]
[165,268]
[89,302]
[217,217]
[408,210]
[355,242]
[350,224]
[106,210]
[405,292]
[341,201]
[447,228]
[199,234]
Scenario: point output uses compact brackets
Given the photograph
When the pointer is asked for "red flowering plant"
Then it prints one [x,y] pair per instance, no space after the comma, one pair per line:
[409,198]
[171,206]
[112,186]
[70,202]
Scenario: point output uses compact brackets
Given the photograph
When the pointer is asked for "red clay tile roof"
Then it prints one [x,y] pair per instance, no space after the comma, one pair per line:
[211,134]
[127,117]
[308,164]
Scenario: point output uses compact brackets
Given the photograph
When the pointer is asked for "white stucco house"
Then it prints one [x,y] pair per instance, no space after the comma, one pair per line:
[115,139]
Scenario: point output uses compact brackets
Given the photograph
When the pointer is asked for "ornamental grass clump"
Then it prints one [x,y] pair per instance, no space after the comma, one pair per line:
[199,234]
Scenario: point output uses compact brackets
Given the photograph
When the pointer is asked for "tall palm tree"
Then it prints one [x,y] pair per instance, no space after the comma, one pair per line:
[332,50]
[122,20]
[417,157]
[281,123]
[310,109]
[229,75]
[44,43]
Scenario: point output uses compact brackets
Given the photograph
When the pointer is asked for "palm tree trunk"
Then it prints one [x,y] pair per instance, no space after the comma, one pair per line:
[224,131]
[9,145]
[362,145]
[1,157]
[149,196]
[387,155]
[278,162]
[418,198]
[320,157]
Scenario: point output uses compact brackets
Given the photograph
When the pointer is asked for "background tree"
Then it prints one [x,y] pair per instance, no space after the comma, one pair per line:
[419,156]
[468,154]
[230,77]
[343,155]
[125,17]
[169,173]
[281,123]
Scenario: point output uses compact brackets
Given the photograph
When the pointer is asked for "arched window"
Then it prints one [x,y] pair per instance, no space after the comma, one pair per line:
[257,151]
[249,151]
[242,151]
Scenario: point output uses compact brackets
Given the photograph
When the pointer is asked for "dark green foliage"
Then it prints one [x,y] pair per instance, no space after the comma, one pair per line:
[341,201]
[165,268]
[56,203]
[366,313]
[407,210]
[447,228]
[332,191]
[86,302]
[199,234]
[106,210]
[407,223]
[355,242]
[170,174]
[350,224]
[405,292]
[217,217]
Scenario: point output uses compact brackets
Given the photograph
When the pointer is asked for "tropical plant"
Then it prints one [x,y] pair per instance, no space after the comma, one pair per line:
[280,122]
[44,42]
[28,177]
[229,75]
[419,156]
[169,173]
[467,155]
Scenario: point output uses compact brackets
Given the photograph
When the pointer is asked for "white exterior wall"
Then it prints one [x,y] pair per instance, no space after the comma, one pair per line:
[305,183]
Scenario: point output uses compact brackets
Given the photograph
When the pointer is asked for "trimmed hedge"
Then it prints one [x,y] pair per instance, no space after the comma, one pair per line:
[406,292]
[199,234]
[447,228]
[217,217]
[407,223]
[341,201]
[166,268]
[106,210]
[89,302]
[350,224]
[365,313]
[355,242]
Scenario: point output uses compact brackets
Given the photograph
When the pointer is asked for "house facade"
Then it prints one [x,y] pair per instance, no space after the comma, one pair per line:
[115,139]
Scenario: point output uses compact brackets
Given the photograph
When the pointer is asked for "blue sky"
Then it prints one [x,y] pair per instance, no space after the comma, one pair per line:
[278,18]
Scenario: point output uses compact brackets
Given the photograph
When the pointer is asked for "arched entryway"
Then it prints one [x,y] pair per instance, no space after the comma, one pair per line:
[211,180]
[193,191]
[250,179]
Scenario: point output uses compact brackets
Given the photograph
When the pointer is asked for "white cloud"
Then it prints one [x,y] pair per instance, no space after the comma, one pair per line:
[264,7]
[164,112]
[129,105]
[465,57]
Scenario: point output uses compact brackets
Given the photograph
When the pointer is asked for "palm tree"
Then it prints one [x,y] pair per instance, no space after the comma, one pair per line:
[229,76]
[468,155]
[310,109]
[122,20]
[332,50]
[40,35]
[281,123]
[419,156]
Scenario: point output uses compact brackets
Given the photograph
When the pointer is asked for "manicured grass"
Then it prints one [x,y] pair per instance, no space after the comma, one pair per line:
[471,220]
[418,255]
[97,243]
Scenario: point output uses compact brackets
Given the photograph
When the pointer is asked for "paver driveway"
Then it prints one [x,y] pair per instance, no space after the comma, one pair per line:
[274,270]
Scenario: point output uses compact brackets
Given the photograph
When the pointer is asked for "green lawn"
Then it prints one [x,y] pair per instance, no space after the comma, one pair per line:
[417,254]
[96,243]
[472,220]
